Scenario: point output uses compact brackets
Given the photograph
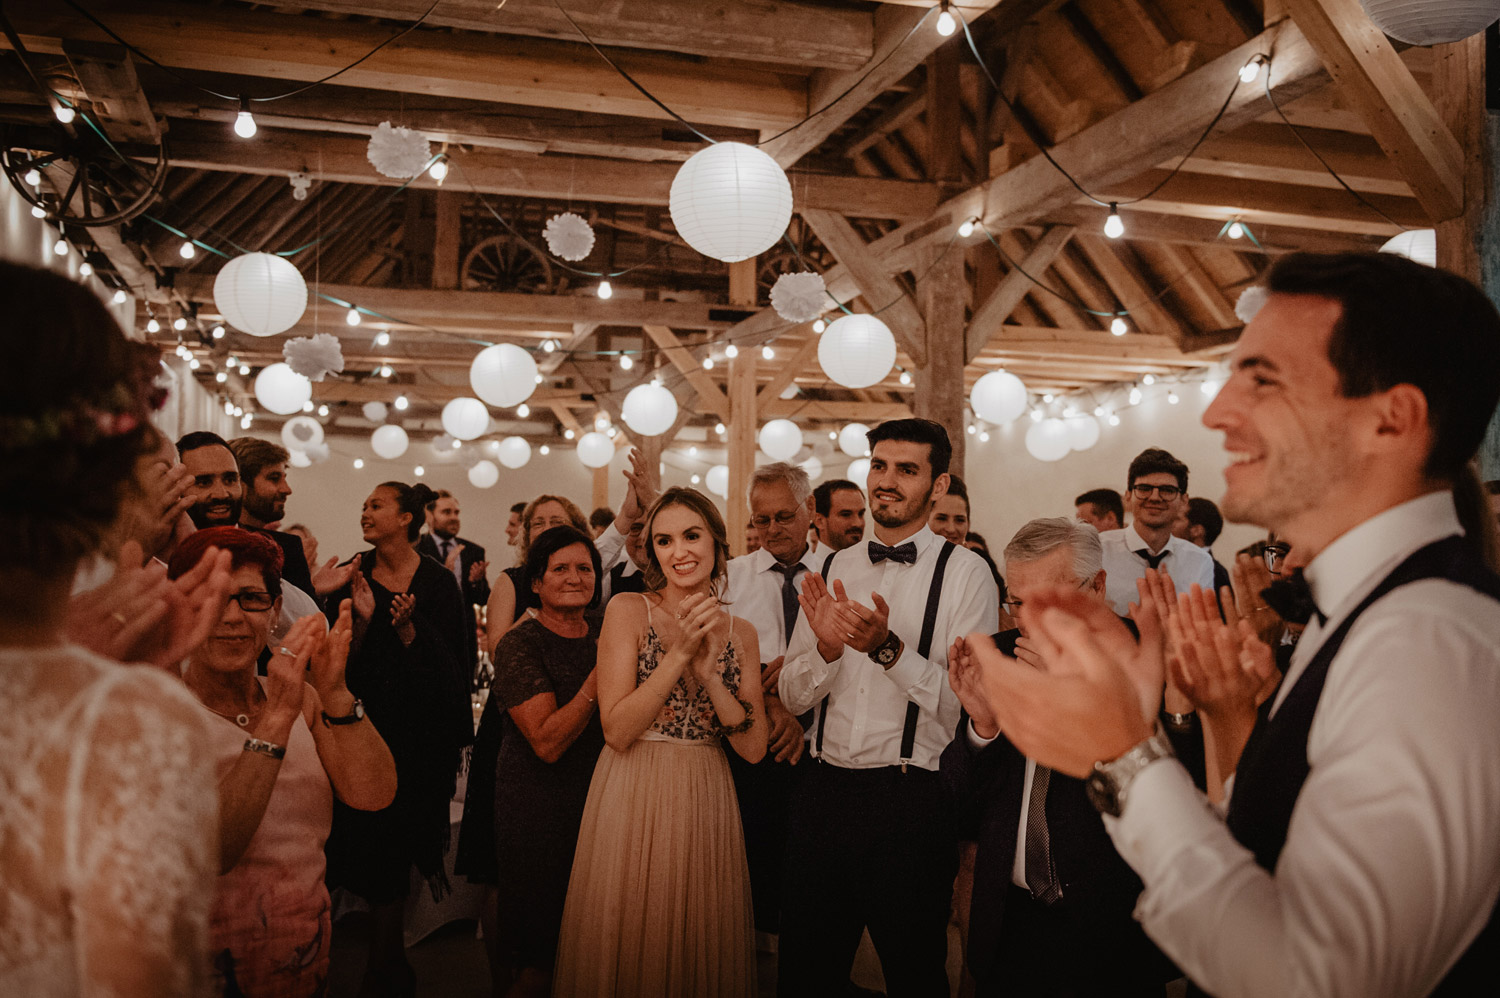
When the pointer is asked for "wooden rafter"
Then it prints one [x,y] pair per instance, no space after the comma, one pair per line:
[988,317]
[880,290]
[710,396]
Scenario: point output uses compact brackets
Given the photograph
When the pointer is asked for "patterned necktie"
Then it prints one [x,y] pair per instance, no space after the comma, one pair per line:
[906,553]
[1154,560]
[788,595]
[1041,872]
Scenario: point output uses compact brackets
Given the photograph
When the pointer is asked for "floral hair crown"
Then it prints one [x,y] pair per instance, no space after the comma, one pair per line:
[114,412]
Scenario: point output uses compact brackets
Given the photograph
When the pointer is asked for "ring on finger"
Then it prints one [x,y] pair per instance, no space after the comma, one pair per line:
[284,650]
[119,618]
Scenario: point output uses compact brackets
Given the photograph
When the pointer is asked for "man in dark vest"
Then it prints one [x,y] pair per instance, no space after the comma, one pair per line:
[1360,854]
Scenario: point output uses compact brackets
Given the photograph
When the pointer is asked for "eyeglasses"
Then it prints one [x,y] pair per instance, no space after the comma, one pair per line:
[253,602]
[1167,492]
[1012,605]
[1275,557]
[783,519]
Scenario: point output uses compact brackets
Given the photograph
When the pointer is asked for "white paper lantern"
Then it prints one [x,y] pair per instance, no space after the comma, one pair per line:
[503,375]
[398,151]
[466,418]
[513,452]
[1432,22]
[858,471]
[813,466]
[314,357]
[282,390]
[730,201]
[375,412]
[389,441]
[595,450]
[298,459]
[484,475]
[1049,440]
[800,297]
[649,409]
[1083,432]
[1418,245]
[857,351]
[717,480]
[998,397]
[853,440]
[301,432]
[260,293]
[569,236]
[442,445]
[781,439]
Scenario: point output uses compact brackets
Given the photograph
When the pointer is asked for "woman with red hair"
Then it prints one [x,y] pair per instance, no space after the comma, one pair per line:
[285,746]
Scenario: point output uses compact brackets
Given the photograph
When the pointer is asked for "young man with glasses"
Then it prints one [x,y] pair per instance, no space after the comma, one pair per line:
[1157,484]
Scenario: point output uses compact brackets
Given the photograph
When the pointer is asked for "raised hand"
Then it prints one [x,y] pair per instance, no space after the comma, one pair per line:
[286,671]
[363,597]
[963,677]
[152,520]
[1207,669]
[332,576]
[864,627]
[1250,576]
[330,657]
[402,606]
[1141,661]
[451,562]
[477,572]
[821,608]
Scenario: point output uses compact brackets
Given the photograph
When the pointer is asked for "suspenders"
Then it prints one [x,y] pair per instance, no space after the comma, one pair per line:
[924,649]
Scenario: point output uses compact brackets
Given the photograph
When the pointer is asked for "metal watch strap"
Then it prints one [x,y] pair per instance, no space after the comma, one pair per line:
[1109,783]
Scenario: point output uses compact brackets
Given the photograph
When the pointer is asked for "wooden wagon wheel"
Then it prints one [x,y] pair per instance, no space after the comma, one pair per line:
[505,263]
[96,181]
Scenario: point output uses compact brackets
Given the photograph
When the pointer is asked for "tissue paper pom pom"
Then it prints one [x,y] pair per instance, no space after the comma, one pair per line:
[568,236]
[799,297]
[1252,299]
[313,357]
[398,152]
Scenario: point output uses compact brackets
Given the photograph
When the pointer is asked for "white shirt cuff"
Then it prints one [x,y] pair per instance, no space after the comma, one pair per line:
[976,739]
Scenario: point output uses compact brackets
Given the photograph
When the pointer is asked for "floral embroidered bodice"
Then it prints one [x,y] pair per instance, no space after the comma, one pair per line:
[689,718]
[108,828]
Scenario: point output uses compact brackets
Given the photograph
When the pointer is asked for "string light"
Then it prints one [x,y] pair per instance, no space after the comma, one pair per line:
[179,323]
[719,429]
[438,171]
[905,378]
[60,248]
[187,250]
[246,420]
[1114,420]
[419,471]
[1209,387]
[1149,380]
[605,291]
[601,421]
[244,370]
[1235,230]
[695,479]
[152,326]
[37,211]
[625,362]
[1250,71]
[966,229]
[568,434]
[457,444]
[218,334]
[307,406]
[228,408]
[611,432]
[819,325]
[692,452]
[323,411]
[548,346]
[244,122]
[1135,396]
[731,351]
[402,402]
[65,114]
[946,25]
[120,296]
[1048,398]
[1098,410]
[767,353]
[971,429]
[194,363]
[383,338]
[34,177]
[708,363]
[540,379]
[1118,327]
[1036,415]
[352,317]
[523,410]
[359,462]
[984,436]
[1114,226]
[545,450]
[1172,398]
[85,269]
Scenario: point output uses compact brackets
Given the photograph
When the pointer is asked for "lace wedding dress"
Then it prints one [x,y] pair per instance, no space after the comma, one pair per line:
[108,828]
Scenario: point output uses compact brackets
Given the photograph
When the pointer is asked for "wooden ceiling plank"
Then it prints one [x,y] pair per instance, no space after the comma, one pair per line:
[710,396]
[1146,313]
[1149,225]
[988,318]
[1261,151]
[1192,280]
[906,110]
[880,290]
[789,370]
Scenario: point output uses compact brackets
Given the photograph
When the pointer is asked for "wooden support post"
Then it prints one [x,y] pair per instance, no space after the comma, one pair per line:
[601,488]
[446,238]
[416,244]
[940,383]
[741,422]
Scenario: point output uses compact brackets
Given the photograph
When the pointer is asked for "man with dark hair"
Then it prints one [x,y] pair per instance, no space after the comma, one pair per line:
[463,558]
[513,525]
[600,519]
[1361,849]
[872,842]
[1157,482]
[838,514]
[263,475]
[217,491]
[1201,523]
[1101,509]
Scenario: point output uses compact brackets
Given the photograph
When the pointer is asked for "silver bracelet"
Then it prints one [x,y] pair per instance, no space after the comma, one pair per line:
[265,748]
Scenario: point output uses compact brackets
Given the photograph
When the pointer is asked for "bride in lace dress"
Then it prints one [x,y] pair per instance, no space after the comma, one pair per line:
[659,898]
[108,813]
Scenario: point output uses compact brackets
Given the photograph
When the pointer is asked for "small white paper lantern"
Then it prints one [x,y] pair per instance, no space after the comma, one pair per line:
[569,236]
[1049,440]
[730,201]
[503,375]
[800,297]
[282,390]
[466,418]
[857,351]
[375,412]
[595,450]
[513,452]
[853,440]
[717,480]
[397,151]
[301,433]
[389,441]
[484,475]
[1432,22]
[260,293]
[858,471]
[649,409]
[813,466]
[1083,432]
[781,439]
[998,397]
[1418,245]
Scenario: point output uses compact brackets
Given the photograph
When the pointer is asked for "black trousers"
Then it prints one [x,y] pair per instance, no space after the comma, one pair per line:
[868,848]
[764,790]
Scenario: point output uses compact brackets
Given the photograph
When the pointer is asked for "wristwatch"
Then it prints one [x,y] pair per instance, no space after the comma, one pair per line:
[1110,781]
[355,715]
[886,653]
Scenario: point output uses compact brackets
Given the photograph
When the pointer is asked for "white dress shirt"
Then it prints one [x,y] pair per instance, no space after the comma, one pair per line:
[611,547]
[1392,859]
[868,707]
[1018,862]
[755,594]
[1187,562]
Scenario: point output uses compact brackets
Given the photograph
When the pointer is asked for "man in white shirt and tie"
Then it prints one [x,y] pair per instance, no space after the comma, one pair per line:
[872,841]
[1157,482]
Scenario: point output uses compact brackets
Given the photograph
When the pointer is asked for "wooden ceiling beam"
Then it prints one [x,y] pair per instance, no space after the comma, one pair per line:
[1190,280]
[1090,344]
[1147,224]
[710,396]
[1262,151]
[107,75]
[900,114]
[788,371]
[881,291]
[1146,311]
[988,319]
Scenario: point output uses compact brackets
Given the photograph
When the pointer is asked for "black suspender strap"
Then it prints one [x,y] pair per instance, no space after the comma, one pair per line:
[924,647]
[823,707]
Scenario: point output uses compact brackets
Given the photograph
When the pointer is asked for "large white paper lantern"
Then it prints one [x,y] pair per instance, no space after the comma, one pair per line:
[282,390]
[484,474]
[595,450]
[260,293]
[858,471]
[503,375]
[389,441]
[513,452]
[717,480]
[813,466]
[466,418]
[998,397]
[301,433]
[1083,432]
[854,439]
[730,201]
[1432,22]
[1049,440]
[857,351]
[781,439]
[649,409]
[1418,245]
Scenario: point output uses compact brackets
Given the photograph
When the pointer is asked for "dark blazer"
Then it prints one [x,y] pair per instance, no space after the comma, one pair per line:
[294,567]
[473,592]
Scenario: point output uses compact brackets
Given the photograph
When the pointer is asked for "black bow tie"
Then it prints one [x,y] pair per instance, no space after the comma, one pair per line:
[1292,599]
[1154,560]
[906,553]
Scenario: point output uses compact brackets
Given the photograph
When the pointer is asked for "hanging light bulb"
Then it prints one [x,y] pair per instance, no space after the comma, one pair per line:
[323,410]
[548,346]
[60,248]
[228,408]
[194,363]
[401,402]
[307,406]
[85,269]
[545,450]
[1114,420]
[1118,327]
[218,332]
[966,229]
[1250,71]
[946,25]
[244,122]
[719,429]
[244,370]
[984,436]
[625,362]
[695,479]
[120,296]
[385,371]
[187,250]
[1135,396]
[605,291]
[352,317]
[1114,228]
[971,429]
[708,363]
[1236,230]
[438,171]
[731,351]
[1149,380]
[1047,398]
[246,420]
[419,470]
[1036,415]
[819,325]
[523,410]
[767,353]
[540,379]
[179,323]
[1172,398]
[383,338]
[37,211]
[905,378]
[568,434]
[65,114]
[34,177]
[152,326]
[359,462]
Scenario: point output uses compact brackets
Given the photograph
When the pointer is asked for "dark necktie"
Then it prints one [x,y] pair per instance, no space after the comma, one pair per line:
[906,553]
[788,594]
[1292,599]
[1041,872]
[1154,560]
